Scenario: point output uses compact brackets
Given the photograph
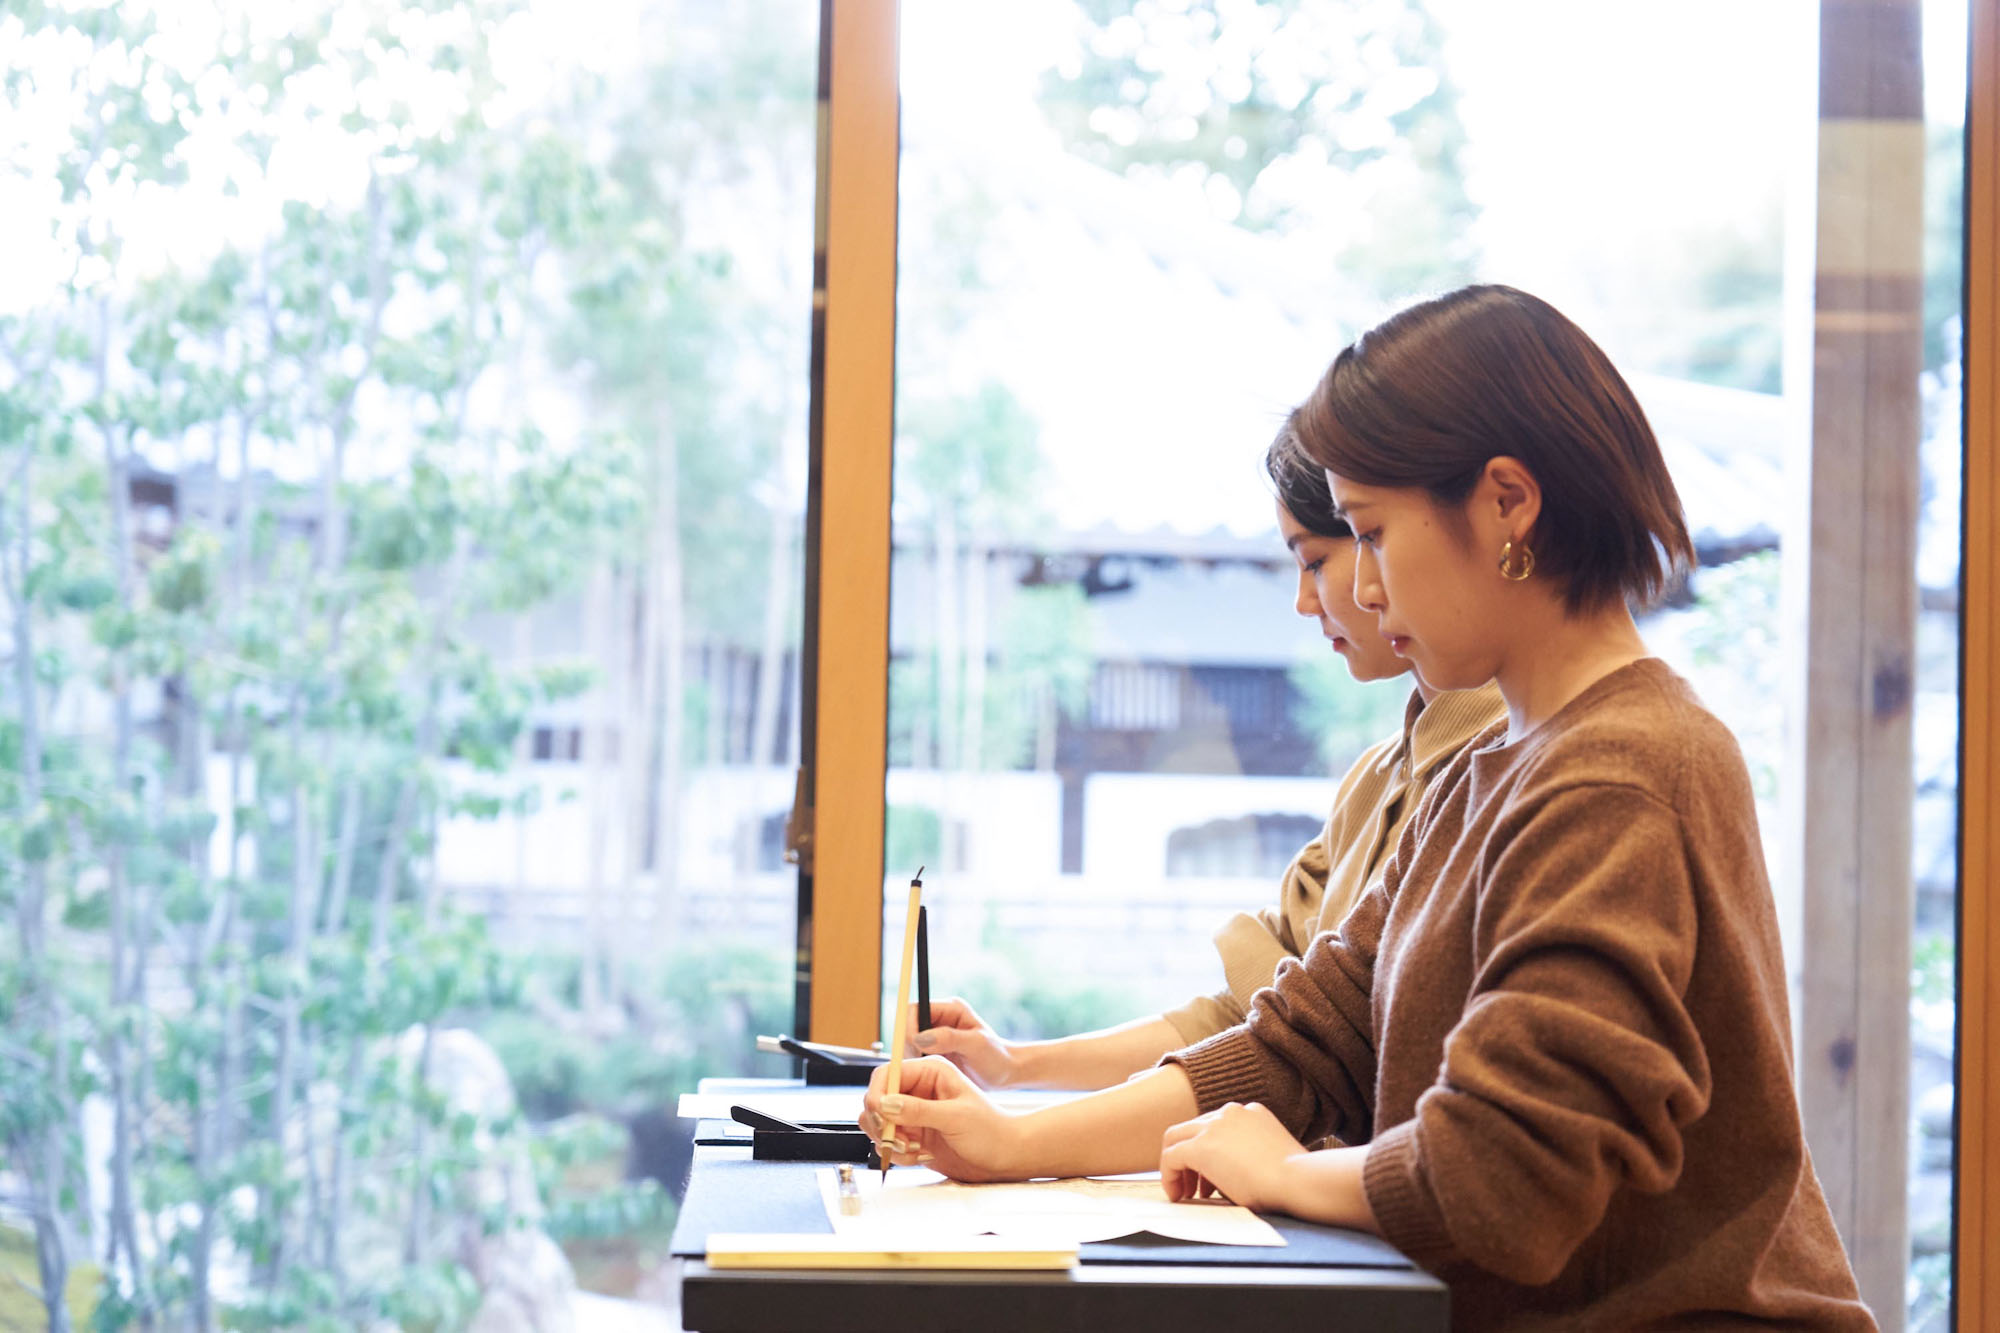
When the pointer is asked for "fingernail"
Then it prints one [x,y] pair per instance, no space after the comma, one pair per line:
[893,1145]
[926,1158]
[926,1040]
[892,1105]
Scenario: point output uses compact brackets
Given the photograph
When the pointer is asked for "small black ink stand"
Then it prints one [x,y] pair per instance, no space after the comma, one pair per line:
[773,1139]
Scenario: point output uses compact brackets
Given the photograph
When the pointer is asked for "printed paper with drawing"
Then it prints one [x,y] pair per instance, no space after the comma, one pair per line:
[915,1202]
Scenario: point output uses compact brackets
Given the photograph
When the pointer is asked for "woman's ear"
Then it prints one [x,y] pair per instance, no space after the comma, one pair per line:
[1512,495]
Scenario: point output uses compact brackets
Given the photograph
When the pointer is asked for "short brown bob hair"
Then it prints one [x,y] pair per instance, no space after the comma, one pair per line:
[1426,397]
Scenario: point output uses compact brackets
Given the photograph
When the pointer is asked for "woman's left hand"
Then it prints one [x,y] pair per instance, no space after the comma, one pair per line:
[1239,1151]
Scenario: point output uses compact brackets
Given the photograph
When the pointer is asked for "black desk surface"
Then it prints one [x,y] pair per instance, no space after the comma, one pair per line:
[1322,1278]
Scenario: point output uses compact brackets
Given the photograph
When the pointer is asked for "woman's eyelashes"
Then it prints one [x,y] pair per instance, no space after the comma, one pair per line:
[1370,537]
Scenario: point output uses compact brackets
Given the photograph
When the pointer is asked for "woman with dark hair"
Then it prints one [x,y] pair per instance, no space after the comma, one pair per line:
[1556,1029]
[1372,804]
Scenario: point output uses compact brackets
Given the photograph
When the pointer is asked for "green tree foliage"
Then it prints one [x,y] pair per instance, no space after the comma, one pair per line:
[260,479]
[1944,241]
[969,477]
[1322,114]
[1732,637]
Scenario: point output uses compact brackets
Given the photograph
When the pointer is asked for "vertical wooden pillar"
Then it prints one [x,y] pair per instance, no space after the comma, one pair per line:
[1978,1104]
[1849,835]
[851,572]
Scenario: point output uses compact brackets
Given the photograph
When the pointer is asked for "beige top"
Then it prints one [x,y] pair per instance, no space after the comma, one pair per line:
[1559,1020]
[1374,802]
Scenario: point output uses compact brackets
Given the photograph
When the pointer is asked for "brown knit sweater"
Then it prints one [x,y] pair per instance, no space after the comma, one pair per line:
[1560,1022]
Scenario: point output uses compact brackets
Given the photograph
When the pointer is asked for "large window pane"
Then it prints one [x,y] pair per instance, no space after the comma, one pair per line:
[402,433]
[1131,238]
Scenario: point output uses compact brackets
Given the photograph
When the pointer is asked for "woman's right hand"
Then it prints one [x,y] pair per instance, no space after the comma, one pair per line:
[962,1037]
[941,1120]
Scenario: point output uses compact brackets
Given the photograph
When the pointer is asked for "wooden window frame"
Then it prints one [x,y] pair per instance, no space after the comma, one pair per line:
[1977,1103]
[841,929]
[841,948]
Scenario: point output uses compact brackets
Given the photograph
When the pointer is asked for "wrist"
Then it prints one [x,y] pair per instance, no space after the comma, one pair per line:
[1326,1186]
[1024,1064]
[1022,1154]
[1295,1185]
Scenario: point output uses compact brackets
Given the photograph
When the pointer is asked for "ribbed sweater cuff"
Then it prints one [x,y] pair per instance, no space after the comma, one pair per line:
[1222,1069]
[1405,1210]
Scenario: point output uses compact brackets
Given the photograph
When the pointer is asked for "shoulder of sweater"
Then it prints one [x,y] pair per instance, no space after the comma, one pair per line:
[1647,730]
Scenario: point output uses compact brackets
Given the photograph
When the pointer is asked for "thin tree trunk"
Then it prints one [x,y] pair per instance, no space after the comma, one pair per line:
[975,633]
[401,819]
[211,1108]
[716,676]
[430,886]
[51,1236]
[42,1156]
[124,1229]
[349,839]
[200,1318]
[386,877]
[234,1041]
[639,761]
[298,1042]
[672,634]
[771,649]
[600,633]
[630,719]
[517,897]
[305,881]
[973,754]
[949,655]
[1045,727]
[417,1234]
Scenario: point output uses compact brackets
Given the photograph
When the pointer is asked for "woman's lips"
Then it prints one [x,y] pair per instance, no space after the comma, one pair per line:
[1399,644]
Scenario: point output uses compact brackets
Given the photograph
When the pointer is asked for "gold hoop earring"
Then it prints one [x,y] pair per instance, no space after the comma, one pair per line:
[1516,562]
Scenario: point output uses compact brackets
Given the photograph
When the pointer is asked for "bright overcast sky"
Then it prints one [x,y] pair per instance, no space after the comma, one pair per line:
[1597,134]
[1573,108]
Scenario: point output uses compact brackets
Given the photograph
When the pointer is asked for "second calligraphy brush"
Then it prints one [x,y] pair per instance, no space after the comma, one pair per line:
[924,968]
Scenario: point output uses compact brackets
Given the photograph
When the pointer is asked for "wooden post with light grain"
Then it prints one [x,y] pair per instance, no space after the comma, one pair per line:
[1850,788]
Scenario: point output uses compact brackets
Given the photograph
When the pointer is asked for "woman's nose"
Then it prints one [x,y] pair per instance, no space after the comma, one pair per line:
[1308,603]
[1367,586]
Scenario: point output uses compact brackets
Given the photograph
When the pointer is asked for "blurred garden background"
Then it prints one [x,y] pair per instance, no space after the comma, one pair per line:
[403,420]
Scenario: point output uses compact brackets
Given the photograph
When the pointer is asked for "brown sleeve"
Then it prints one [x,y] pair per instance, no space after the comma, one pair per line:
[1307,1051]
[1574,1066]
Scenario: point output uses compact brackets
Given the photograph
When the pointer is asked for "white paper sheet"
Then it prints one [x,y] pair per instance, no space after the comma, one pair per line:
[916,1203]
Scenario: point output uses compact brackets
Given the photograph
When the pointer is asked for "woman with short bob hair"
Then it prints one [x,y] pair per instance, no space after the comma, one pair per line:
[1375,800]
[1555,1032]
[1427,397]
